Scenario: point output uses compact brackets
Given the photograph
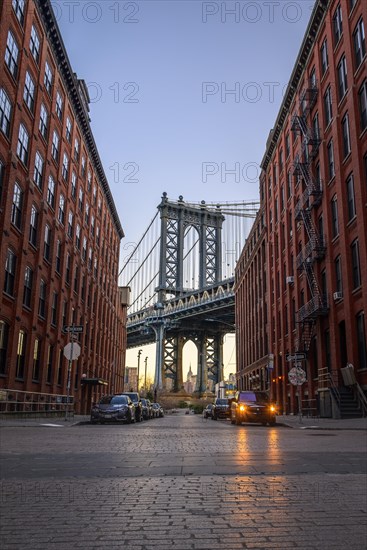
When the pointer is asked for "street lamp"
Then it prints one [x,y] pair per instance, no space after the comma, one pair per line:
[145,378]
[139,354]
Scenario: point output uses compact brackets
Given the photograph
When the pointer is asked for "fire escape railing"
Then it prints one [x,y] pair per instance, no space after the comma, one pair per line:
[311,197]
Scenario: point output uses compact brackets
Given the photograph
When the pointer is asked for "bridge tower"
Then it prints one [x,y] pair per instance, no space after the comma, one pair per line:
[176,219]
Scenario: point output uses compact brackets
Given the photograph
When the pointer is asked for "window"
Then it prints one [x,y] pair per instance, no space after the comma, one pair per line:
[48,78]
[89,179]
[316,126]
[70,224]
[22,145]
[77,236]
[342,77]
[330,155]
[84,251]
[67,271]
[338,275]
[54,308]
[4,339]
[47,242]
[5,112]
[61,214]
[324,57]
[20,360]
[95,272]
[359,43]
[33,226]
[350,198]
[73,185]
[59,104]
[64,313]
[289,184]
[29,89]
[34,44]
[328,106]
[337,24]
[86,213]
[81,199]
[10,267]
[90,258]
[36,360]
[346,135]
[49,364]
[18,7]
[99,206]
[334,217]
[356,272]
[313,81]
[65,167]
[83,166]
[76,279]
[42,299]
[361,340]
[43,125]
[27,289]
[76,150]
[38,170]
[352,3]
[51,191]
[97,235]
[2,174]
[17,206]
[55,146]
[68,129]
[11,54]
[362,100]
[94,194]
[58,256]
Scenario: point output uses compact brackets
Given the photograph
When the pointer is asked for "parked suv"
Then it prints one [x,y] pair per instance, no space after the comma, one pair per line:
[134,396]
[252,406]
[221,408]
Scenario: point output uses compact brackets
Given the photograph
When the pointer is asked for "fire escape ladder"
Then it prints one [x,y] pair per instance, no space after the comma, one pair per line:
[314,248]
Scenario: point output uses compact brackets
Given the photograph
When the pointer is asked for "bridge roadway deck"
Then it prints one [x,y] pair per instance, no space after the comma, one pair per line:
[182,483]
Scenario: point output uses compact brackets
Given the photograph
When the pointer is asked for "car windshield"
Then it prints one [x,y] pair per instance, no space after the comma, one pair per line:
[133,397]
[222,401]
[114,400]
[253,396]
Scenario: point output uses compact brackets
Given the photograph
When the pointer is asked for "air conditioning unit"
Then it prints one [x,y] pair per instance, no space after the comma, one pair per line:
[337,295]
[289,280]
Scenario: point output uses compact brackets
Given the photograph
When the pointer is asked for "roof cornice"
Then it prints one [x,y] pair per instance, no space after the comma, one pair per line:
[58,47]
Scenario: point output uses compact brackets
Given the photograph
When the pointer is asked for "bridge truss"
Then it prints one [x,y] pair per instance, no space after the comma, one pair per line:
[181,275]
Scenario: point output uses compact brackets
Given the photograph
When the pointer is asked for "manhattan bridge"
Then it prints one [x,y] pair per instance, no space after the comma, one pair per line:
[181,276]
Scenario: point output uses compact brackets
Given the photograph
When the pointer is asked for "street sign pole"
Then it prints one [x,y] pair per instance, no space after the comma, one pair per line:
[69,374]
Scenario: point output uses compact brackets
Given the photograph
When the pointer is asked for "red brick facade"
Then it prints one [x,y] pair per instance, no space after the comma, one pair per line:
[59,229]
[313,188]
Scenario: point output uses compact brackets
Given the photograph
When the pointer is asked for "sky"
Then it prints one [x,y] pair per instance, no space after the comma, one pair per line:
[182,92]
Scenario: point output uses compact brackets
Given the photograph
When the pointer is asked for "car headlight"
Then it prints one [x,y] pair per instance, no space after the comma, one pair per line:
[242,408]
[272,408]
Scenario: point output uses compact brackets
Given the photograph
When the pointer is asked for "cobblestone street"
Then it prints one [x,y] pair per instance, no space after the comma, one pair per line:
[182,482]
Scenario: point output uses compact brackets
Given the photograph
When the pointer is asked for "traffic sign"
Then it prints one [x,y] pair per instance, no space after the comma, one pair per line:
[297,376]
[73,328]
[298,356]
[72,351]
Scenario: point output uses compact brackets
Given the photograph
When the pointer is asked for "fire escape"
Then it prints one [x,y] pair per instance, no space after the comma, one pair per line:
[314,249]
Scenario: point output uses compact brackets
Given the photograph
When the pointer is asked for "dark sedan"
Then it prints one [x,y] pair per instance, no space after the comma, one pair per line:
[157,410]
[113,408]
[221,409]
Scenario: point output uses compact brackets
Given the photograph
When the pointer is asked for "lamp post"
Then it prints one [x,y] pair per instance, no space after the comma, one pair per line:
[137,383]
[145,378]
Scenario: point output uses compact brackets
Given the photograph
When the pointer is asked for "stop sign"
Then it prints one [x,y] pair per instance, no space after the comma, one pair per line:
[72,351]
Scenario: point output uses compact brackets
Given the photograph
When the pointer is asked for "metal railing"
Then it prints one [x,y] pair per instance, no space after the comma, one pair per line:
[21,403]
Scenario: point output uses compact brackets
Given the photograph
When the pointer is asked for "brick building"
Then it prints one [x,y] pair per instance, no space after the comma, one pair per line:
[59,228]
[313,188]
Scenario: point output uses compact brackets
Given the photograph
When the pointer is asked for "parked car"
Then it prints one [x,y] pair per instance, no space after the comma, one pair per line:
[146,408]
[158,411]
[208,411]
[221,409]
[113,408]
[134,396]
[253,406]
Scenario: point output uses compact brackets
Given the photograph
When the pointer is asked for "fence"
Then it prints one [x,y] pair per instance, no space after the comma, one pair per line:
[21,403]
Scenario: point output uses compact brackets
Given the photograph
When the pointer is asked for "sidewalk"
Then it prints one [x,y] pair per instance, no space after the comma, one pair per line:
[44,421]
[315,423]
